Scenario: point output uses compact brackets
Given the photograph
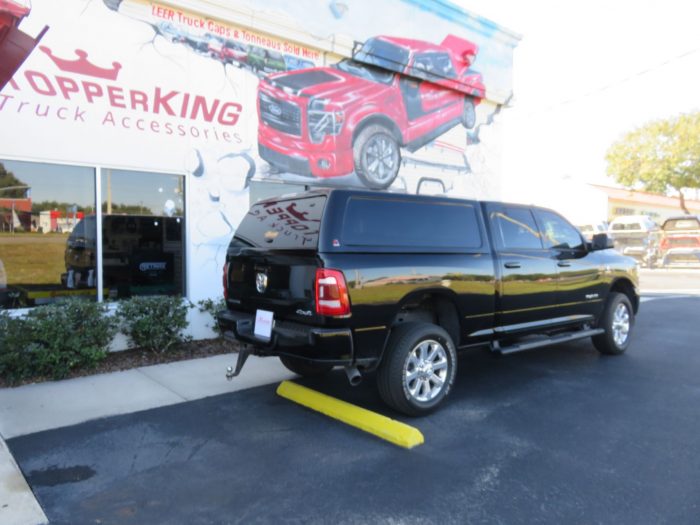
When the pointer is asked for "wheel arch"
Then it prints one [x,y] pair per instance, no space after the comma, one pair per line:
[382,120]
[625,286]
[436,306]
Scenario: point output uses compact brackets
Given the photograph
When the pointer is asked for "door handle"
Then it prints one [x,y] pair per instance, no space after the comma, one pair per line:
[564,264]
[512,265]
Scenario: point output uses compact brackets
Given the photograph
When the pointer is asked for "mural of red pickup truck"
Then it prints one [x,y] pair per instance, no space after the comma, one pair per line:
[357,115]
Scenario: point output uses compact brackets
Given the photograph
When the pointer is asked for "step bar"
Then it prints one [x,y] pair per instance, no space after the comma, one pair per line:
[545,341]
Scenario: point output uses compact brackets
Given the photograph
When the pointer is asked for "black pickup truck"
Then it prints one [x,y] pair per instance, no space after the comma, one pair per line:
[399,283]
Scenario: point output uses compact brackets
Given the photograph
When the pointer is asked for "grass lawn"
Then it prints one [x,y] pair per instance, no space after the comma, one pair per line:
[33,258]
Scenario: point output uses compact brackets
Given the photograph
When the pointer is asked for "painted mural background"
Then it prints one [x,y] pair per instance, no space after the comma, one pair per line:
[149,86]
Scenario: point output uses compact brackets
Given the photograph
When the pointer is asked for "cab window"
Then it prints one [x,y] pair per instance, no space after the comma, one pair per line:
[515,228]
[557,232]
[433,66]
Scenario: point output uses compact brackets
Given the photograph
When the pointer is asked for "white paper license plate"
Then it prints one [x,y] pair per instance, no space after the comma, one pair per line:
[263,324]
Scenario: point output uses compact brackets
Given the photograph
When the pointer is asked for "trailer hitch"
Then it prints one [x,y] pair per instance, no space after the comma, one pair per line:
[243,354]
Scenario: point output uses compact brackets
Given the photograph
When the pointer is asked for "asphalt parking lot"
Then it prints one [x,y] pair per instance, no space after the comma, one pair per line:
[557,435]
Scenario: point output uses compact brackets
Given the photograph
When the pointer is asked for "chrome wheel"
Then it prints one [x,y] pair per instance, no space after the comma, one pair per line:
[621,324]
[425,371]
[381,159]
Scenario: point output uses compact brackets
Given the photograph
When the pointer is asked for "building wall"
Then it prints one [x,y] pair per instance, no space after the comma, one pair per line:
[622,201]
[143,85]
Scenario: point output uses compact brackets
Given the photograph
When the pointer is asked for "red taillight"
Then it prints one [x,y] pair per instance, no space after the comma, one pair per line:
[331,293]
[225,278]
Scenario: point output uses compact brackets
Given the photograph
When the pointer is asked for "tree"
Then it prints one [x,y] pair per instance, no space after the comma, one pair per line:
[8,180]
[661,156]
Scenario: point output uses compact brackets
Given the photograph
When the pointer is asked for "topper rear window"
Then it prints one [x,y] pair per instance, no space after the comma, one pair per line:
[285,224]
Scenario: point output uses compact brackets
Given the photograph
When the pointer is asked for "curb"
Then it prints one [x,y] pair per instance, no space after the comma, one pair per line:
[18,506]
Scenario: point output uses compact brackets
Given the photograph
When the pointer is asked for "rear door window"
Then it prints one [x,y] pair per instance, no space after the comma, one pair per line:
[286,224]
[410,224]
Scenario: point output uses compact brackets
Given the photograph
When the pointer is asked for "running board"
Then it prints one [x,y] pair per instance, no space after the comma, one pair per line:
[553,340]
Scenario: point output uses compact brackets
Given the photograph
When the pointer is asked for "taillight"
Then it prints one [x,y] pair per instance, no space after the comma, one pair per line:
[331,293]
[225,278]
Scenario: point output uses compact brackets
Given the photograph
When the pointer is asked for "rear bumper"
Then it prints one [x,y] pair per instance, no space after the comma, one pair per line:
[311,343]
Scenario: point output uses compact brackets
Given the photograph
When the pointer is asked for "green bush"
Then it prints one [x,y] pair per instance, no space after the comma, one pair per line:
[211,307]
[154,322]
[15,348]
[54,339]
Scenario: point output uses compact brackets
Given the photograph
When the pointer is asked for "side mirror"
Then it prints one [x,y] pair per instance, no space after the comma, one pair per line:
[601,241]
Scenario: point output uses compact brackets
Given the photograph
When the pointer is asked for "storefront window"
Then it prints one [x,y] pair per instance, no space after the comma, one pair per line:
[47,233]
[142,233]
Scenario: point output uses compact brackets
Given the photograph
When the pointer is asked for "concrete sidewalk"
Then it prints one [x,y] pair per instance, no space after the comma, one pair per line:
[44,406]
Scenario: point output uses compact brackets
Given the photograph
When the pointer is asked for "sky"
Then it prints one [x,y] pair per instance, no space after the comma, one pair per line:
[585,73]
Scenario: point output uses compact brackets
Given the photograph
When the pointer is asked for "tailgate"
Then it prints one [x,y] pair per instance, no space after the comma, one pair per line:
[282,282]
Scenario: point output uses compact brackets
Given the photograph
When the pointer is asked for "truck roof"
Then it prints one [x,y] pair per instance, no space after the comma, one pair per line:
[412,44]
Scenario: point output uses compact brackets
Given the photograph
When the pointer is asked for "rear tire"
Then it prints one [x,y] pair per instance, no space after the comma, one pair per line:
[469,113]
[618,321]
[305,368]
[418,369]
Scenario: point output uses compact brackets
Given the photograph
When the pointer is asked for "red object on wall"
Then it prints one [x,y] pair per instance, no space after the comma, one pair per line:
[15,45]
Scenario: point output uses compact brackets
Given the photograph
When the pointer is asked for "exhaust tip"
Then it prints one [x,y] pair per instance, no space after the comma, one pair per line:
[354,376]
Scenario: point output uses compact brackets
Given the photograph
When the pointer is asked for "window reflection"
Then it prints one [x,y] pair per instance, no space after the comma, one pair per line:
[41,205]
[142,233]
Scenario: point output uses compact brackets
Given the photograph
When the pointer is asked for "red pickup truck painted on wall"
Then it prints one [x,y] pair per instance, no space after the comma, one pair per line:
[357,114]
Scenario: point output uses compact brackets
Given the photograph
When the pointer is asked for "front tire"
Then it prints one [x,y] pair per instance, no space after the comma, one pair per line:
[377,157]
[305,368]
[618,321]
[418,369]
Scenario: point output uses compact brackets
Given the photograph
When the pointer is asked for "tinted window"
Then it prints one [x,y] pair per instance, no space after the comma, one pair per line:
[682,224]
[410,224]
[372,73]
[283,225]
[138,257]
[516,228]
[433,66]
[383,54]
[557,232]
[622,226]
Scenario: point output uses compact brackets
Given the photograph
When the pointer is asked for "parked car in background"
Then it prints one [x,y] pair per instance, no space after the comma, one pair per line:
[293,63]
[228,52]
[199,43]
[680,240]
[169,32]
[591,229]
[141,255]
[265,60]
[636,236]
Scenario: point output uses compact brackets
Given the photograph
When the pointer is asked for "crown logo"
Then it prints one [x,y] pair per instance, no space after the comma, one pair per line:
[82,65]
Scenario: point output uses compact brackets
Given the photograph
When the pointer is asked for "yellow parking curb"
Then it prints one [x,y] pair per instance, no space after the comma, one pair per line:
[381,426]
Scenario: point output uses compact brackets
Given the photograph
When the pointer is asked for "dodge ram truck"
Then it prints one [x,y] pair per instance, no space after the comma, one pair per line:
[399,283]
